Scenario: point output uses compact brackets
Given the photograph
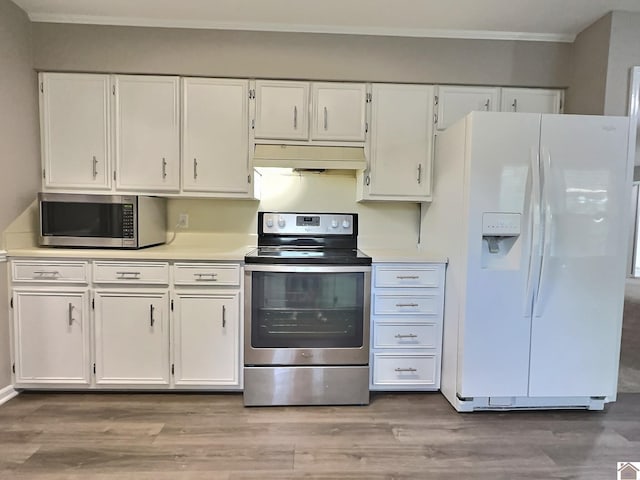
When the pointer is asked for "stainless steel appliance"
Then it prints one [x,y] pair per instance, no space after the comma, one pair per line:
[99,221]
[307,297]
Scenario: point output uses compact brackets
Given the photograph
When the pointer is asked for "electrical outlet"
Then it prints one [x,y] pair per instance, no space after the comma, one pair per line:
[183,220]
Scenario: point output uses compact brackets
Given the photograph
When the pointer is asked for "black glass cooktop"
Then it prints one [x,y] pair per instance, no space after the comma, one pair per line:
[326,256]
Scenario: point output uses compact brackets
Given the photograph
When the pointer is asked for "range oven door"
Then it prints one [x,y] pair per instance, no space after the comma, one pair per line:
[307,315]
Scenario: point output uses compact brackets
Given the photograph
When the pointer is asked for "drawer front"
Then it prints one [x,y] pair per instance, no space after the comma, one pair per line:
[388,304]
[206,274]
[62,271]
[156,273]
[397,276]
[392,369]
[406,335]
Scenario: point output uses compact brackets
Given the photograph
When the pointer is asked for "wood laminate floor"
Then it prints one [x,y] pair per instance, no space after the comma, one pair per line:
[110,436]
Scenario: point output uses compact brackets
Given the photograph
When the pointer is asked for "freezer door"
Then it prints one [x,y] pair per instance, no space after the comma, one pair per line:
[577,316]
[501,164]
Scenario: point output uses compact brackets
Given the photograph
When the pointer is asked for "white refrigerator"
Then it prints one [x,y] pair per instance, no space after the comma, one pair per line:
[532,212]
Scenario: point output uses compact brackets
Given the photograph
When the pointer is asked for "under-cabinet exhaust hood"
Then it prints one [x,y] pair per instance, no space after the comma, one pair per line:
[309,157]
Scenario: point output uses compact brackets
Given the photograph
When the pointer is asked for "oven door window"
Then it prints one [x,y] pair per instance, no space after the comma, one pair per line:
[82,219]
[307,310]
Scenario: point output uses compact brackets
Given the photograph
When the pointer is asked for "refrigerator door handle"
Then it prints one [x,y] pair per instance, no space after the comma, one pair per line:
[547,218]
[534,232]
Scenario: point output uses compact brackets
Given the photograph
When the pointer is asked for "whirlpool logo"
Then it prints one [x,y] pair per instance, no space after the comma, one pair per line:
[628,471]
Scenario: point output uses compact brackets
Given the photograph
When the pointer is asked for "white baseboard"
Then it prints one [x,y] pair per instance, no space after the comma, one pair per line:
[7,393]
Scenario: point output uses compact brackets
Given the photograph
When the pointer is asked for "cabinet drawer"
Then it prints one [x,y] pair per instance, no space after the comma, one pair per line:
[131,272]
[59,271]
[392,369]
[406,304]
[206,274]
[406,335]
[397,276]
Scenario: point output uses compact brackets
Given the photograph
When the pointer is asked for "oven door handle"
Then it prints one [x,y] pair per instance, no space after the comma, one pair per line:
[296,268]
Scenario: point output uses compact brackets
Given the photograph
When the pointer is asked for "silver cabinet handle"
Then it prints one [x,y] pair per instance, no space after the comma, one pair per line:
[195,168]
[46,274]
[487,104]
[164,168]
[406,304]
[151,319]
[70,313]
[224,316]
[409,369]
[326,118]
[95,167]
[205,277]
[128,275]
[295,116]
[367,180]
[407,277]
[419,173]
[515,104]
[409,335]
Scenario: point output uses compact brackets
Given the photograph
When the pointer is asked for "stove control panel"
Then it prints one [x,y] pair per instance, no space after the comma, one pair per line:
[308,224]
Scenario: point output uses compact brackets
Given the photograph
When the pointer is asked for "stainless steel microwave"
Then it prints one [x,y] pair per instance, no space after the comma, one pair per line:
[101,221]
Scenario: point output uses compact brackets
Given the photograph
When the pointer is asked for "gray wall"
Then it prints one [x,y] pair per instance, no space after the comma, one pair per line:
[590,61]
[69,47]
[19,140]
[624,54]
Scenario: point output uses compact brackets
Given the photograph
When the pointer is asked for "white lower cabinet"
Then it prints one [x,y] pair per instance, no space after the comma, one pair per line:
[51,337]
[108,324]
[132,338]
[406,326]
[206,339]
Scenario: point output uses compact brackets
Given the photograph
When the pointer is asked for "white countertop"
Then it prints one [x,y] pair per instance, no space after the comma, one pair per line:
[185,247]
[201,247]
[403,255]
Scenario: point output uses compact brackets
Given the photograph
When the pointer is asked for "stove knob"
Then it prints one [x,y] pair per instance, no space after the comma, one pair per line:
[269,222]
[281,222]
[334,223]
[346,223]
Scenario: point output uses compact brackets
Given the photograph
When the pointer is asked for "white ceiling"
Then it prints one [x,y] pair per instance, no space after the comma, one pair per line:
[541,20]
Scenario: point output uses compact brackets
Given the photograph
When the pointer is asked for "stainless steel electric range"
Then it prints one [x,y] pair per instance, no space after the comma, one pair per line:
[307,296]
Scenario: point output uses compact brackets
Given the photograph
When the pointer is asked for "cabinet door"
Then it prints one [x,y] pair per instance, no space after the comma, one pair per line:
[338,111]
[531,100]
[132,338]
[454,102]
[75,131]
[147,133]
[282,110]
[401,143]
[206,339]
[51,336]
[215,135]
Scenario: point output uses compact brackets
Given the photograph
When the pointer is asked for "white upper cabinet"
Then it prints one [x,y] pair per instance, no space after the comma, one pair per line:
[282,110]
[75,131]
[454,102]
[401,144]
[147,133]
[531,100]
[338,111]
[215,133]
[309,112]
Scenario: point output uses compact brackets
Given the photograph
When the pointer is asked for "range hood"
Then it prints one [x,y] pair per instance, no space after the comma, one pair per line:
[309,157]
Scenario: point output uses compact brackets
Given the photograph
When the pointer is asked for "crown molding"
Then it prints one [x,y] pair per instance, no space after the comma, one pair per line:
[302,28]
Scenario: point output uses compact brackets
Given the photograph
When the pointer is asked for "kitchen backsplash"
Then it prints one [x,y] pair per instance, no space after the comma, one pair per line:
[381,224]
